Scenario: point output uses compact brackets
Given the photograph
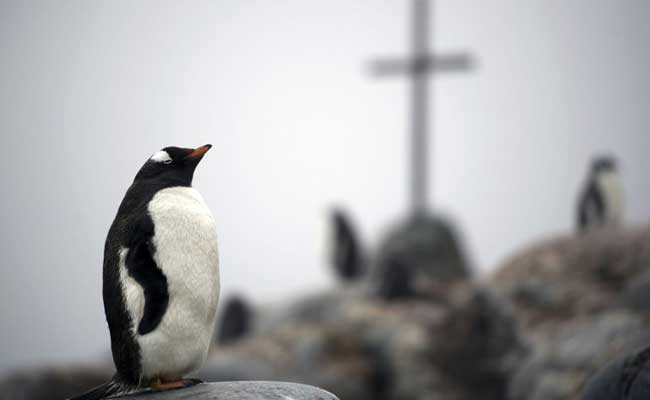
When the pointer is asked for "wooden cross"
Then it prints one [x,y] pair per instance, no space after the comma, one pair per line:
[418,68]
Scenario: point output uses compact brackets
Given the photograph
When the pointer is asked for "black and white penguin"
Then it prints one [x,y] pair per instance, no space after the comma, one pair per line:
[345,253]
[396,279]
[161,277]
[235,322]
[601,201]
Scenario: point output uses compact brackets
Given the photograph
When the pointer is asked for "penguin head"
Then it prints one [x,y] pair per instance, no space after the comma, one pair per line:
[603,164]
[172,164]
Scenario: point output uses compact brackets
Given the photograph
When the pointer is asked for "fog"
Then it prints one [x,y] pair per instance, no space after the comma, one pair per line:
[281,89]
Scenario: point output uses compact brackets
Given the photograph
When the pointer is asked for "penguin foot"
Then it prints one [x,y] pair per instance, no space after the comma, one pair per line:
[160,386]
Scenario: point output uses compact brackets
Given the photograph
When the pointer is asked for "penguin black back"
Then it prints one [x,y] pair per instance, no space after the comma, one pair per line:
[396,278]
[347,259]
[595,204]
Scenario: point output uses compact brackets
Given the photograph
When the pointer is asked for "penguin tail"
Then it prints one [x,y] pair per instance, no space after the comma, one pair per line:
[106,390]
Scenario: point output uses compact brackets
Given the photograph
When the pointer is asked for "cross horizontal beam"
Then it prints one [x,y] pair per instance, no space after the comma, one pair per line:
[456,62]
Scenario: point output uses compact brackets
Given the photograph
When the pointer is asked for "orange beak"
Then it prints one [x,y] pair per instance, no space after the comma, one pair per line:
[199,151]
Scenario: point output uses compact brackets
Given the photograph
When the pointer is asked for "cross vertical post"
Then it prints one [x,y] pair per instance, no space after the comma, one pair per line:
[419,106]
[418,68]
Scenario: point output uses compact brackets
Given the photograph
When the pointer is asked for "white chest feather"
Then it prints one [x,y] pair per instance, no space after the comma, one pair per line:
[610,185]
[186,251]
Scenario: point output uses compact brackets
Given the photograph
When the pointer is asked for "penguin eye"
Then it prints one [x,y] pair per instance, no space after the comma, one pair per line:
[167,162]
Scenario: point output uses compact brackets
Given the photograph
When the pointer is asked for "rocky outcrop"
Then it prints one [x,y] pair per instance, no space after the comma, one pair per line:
[572,277]
[627,378]
[559,368]
[459,348]
[580,302]
[417,253]
[538,328]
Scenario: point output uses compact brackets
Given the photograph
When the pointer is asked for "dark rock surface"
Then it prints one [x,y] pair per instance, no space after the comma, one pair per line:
[539,328]
[240,391]
[580,302]
[627,378]
[636,294]
[363,348]
[429,250]
[559,368]
[52,383]
[576,276]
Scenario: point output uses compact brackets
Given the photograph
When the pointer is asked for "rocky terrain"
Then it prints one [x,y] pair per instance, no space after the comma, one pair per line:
[580,302]
[375,349]
[537,328]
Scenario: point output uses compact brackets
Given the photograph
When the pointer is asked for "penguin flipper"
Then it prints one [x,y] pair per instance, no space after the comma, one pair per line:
[143,269]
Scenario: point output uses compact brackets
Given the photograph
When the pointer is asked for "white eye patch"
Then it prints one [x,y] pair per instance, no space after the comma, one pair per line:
[162,156]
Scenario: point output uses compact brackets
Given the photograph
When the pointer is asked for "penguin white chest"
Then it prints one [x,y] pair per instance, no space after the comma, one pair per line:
[185,242]
[611,187]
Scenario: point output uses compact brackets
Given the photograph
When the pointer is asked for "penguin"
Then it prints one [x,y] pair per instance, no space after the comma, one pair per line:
[344,249]
[160,278]
[601,201]
[235,322]
[396,279]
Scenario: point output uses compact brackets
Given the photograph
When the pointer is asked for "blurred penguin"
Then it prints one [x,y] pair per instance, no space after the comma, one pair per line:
[344,249]
[235,322]
[396,279]
[601,202]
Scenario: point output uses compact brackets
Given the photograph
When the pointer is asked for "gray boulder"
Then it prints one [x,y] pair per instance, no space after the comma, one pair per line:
[627,378]
[559,369]
[240,391]
[420,252]
[580,302]
[576,276]
[636,294]
[460,348]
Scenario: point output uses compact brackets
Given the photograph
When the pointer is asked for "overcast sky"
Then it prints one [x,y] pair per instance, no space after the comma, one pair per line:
[89,90]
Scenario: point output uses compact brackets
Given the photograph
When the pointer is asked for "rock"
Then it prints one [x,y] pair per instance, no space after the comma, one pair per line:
[299,352]
[627,378]
[429,251]
[236,368]
[52,383]
[483,348]
[461,348]
[576,276]
[397,281]
[636,295]
[580,302]
[559,367]
[320,307]
[251,390]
